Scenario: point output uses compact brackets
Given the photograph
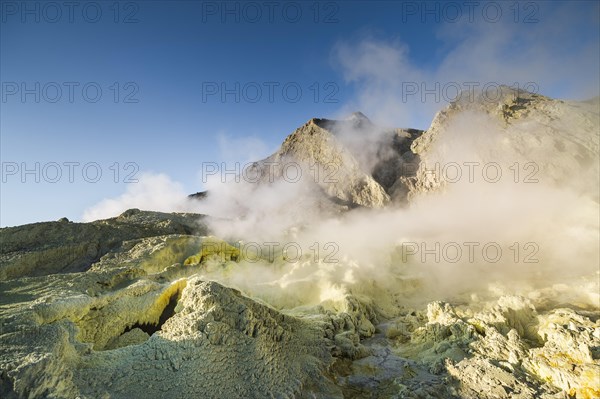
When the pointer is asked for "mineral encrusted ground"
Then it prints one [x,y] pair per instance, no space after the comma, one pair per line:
[139,323]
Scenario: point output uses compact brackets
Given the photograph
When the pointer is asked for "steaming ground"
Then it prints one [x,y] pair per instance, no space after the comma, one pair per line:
[522,169]
[461,261]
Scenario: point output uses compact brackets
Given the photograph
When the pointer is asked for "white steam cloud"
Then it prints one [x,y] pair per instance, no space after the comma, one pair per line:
[547,231]
[545,56]
[156,192]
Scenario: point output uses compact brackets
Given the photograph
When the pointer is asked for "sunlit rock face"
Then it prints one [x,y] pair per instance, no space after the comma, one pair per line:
[554,139]
[344,163]
[151,304]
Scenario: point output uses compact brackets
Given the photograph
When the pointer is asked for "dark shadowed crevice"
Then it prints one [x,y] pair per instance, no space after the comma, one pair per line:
[6,386]
[168,312]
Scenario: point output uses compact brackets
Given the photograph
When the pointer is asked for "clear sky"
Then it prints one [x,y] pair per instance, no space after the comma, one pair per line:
[147,91]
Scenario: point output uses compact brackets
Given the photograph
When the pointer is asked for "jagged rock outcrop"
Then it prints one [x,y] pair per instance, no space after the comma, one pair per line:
[529,136]
[324,162]
[354,162]
[507,350]
[347,163]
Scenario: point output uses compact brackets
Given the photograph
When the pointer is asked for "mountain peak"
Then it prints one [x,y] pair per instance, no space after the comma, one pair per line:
[358,116]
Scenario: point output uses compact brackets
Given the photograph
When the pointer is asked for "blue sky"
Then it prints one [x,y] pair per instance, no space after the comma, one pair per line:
[161,66]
